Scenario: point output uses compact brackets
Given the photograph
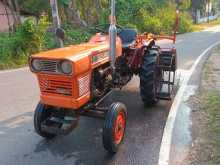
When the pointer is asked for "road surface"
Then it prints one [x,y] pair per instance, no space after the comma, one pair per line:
[20,145]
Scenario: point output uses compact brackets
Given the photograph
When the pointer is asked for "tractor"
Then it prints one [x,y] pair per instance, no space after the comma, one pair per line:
[75,80]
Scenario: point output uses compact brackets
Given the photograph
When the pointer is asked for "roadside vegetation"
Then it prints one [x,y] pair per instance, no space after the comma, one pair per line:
[206,116]
[77,17]
[206,148]
[211,104]
[202,26]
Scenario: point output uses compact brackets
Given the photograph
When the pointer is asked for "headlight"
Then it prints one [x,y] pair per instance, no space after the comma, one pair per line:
[65,67]
[36,66]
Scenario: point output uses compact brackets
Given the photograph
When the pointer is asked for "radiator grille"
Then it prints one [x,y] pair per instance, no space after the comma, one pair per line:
[48,66]
[56,86]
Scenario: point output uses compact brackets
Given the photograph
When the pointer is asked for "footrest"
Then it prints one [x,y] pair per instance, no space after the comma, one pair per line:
[59,126]
[167,82]
[66,120]
[164,96]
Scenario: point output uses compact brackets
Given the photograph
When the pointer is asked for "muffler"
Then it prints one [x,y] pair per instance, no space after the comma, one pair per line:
[112,36]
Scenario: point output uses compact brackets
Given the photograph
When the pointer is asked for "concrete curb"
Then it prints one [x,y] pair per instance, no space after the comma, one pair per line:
[165,148]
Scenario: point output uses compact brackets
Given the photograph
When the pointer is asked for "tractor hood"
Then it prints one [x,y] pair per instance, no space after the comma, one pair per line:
[73,52]
[97,43]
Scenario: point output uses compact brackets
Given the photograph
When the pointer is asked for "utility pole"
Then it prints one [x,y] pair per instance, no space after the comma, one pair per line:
[56,20]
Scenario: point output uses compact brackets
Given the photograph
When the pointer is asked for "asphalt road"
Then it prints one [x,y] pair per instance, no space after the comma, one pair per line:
[20,145]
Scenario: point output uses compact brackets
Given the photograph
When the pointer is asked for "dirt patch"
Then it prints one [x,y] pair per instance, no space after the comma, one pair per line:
[205,149]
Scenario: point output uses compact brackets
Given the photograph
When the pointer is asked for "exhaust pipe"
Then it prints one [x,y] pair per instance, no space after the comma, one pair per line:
[112,36]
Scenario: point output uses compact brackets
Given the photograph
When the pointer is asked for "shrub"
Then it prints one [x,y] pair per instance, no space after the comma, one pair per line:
[185,24]
[33,34]
[162,21]
[156,16]
[148,23]
[28,38]
[75,35]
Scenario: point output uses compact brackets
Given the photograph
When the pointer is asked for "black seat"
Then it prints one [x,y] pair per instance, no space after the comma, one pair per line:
[128,37]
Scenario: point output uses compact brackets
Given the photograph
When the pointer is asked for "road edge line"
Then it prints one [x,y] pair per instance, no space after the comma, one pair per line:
[165,146]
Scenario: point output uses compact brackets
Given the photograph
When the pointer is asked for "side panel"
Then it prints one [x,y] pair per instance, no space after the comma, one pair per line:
[99,58]
[82,65]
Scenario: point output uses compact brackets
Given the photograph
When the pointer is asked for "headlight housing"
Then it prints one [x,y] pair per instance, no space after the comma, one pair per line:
[51,66]
[65,67]
[35,64]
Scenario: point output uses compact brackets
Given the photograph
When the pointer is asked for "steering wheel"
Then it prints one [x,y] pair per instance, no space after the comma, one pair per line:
[104,28]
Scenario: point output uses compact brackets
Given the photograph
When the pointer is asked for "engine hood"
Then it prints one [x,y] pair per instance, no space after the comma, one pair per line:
[73,52]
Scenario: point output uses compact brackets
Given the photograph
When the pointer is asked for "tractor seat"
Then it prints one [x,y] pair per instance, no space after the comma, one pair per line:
[128,37]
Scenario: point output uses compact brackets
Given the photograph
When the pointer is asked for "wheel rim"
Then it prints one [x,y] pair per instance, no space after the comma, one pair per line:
[119,128]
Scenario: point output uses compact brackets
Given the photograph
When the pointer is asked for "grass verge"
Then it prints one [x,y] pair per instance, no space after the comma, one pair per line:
[13,63]
[211,104]
[202,26]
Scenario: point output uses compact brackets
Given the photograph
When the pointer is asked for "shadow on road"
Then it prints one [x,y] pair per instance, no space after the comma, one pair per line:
[84,145]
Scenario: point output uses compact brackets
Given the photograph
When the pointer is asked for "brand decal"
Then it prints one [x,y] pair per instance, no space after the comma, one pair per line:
[99,57]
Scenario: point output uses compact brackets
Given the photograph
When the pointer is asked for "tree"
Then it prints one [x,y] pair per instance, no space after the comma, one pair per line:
[73,14]
[34,7]
[14,8]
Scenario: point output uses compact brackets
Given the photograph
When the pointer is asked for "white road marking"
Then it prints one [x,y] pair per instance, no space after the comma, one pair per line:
[168,130]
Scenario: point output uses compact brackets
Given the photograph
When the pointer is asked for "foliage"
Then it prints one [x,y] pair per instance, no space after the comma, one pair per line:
[34,7]
[33,34]
[185,24]
[198,4]
[184,4]
[155,16]
[74,35]
[27,39]
[151,17]
[210,104]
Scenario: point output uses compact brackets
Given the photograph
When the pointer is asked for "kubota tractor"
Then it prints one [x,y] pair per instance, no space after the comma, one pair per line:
[74,80]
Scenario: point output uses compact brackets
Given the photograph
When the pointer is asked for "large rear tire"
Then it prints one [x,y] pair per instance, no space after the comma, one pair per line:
[41,113]
[149,76]
[114,127]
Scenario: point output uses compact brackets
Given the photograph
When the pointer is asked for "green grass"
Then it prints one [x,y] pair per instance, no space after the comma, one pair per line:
[211,105]
[206,71]
[12,62]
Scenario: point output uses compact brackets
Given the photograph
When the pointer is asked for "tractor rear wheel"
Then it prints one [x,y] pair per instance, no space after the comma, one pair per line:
[41,113]
[149,76]
[114,127]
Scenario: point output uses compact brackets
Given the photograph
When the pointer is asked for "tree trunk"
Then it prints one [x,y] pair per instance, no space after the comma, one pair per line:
[17,9]
[6,12]
[74,15]
[98,6]
[14,12]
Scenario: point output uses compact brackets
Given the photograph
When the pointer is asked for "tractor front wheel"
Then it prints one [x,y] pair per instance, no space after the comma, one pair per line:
[40,115]
[114,127]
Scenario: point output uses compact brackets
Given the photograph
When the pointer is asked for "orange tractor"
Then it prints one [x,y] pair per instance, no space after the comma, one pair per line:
[76,79]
